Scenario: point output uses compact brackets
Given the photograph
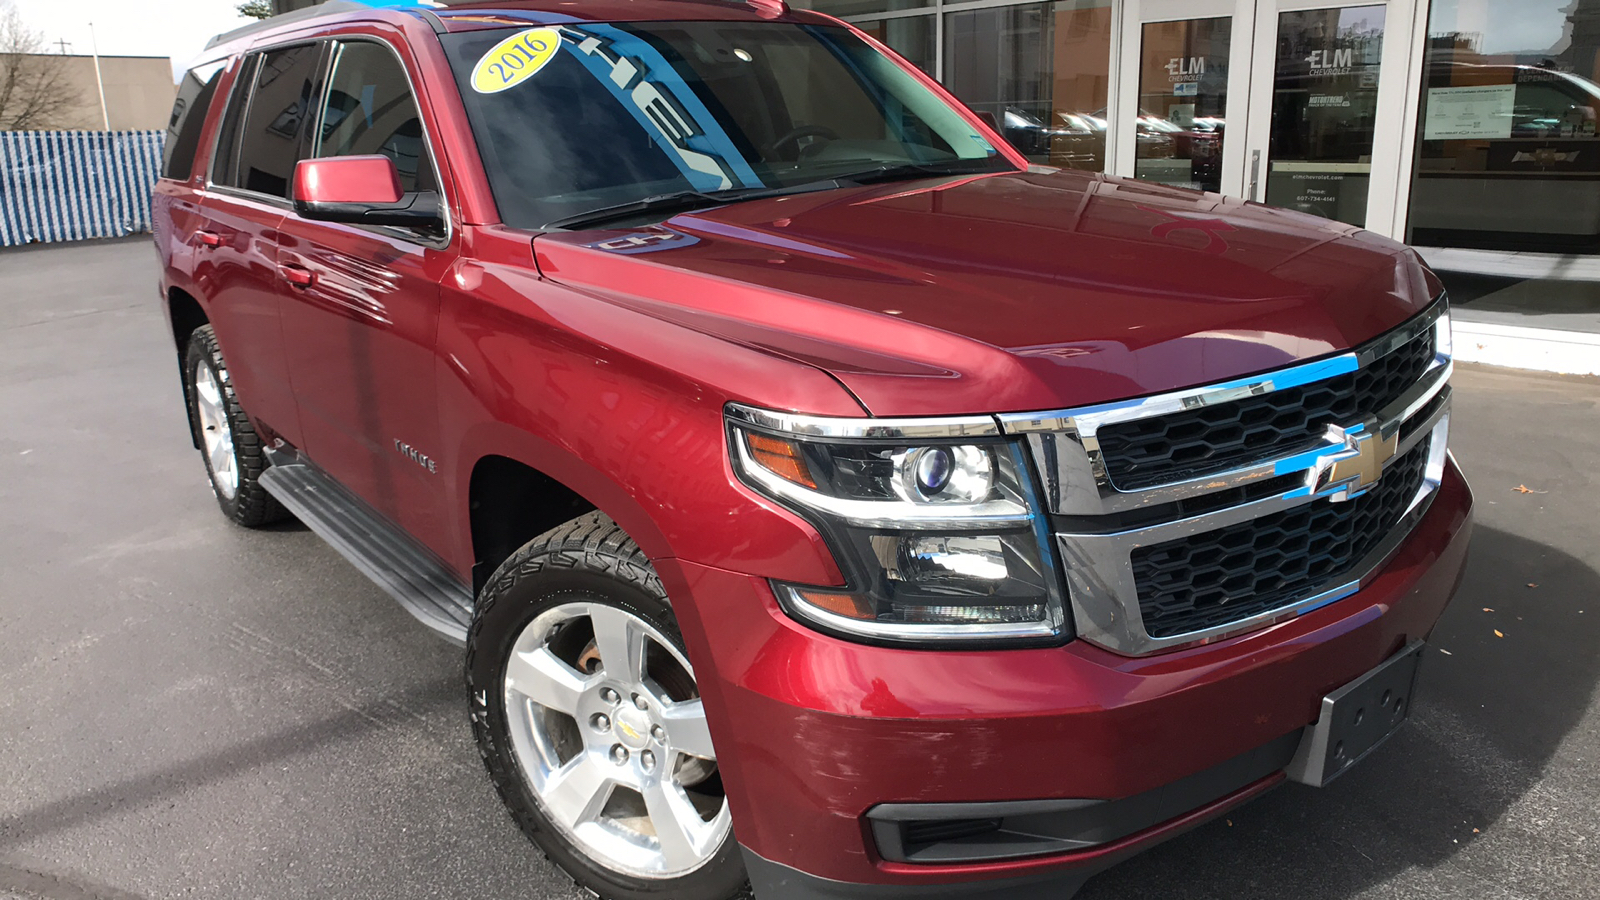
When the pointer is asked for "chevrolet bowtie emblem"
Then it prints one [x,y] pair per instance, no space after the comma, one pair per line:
[1349,472]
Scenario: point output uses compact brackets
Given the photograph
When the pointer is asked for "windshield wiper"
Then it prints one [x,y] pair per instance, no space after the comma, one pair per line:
[907,171]
[683,201]
[677,201]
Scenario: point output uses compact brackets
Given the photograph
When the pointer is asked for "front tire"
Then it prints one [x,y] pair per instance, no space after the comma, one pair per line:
[589,720]
[232,450]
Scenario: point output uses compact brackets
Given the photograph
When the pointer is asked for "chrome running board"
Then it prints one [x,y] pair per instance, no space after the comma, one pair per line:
[392,559]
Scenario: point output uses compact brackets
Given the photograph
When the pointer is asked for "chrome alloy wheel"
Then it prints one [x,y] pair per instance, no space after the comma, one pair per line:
[608,729]
[215,432]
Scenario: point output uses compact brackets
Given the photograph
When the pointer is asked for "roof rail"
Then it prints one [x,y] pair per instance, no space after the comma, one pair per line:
[769,9]
[330,8]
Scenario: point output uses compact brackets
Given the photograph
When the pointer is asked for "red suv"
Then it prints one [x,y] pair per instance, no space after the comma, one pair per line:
[827,500]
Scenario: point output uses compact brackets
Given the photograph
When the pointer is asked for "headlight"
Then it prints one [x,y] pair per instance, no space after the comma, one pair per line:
[938,533]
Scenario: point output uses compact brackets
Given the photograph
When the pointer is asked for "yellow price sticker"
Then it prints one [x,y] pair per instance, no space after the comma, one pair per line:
[515,59]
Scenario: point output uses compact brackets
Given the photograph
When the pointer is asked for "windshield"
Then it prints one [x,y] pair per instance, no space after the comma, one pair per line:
[575,118]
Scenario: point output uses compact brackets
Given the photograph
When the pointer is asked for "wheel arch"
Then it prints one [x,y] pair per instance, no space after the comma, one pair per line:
[516,487]
[184,316]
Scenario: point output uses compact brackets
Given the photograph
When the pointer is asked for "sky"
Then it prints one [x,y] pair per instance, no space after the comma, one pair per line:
[177,29]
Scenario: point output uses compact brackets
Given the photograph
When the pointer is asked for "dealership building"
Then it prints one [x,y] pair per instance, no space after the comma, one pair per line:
[1466,128]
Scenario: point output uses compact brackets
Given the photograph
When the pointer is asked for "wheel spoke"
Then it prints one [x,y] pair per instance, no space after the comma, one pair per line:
[577,792]
[543,678]
[620,642]
[206,388]
[221,457]
[687,730]
[679,828]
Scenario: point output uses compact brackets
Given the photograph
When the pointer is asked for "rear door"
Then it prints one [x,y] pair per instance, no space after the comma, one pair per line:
[262,138]
[360,337]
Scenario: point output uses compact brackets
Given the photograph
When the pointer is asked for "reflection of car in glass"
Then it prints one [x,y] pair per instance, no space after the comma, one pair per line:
[1507,183]
[1026,131]
[1199,141]
[1080,142]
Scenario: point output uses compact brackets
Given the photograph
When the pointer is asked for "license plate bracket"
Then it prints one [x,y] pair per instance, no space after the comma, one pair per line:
[1356,718]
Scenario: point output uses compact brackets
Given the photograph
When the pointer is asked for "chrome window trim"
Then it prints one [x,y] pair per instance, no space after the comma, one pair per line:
[864,428]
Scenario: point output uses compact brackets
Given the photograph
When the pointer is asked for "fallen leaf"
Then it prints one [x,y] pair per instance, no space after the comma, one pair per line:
[1524,489]
[1476,831]
[1230,823]
[1488,609]
[1497,633]
[1533,584]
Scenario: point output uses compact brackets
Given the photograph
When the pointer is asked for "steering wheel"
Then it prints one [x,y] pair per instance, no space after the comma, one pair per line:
[800,133]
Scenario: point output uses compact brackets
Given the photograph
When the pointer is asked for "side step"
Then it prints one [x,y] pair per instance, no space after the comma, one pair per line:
[382,552]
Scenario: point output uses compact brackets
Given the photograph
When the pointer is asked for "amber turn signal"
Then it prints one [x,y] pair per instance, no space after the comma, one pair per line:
[851,606]
[781,458]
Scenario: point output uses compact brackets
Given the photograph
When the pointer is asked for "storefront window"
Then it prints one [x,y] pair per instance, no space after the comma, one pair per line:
[1041,71]
[1507,154]
[1325,111]
[909,36]
[1183,93]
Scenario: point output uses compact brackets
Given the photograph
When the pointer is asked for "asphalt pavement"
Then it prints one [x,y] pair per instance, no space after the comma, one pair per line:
[191,709]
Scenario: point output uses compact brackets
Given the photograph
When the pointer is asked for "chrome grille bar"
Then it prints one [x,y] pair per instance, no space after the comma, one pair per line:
[1104,595]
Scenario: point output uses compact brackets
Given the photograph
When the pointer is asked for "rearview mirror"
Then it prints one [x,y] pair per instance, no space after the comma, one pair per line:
[361,190]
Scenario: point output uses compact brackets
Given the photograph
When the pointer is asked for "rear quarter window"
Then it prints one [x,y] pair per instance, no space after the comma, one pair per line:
[189,114]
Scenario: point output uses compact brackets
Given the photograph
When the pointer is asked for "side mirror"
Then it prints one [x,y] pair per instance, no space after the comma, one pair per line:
[361,190]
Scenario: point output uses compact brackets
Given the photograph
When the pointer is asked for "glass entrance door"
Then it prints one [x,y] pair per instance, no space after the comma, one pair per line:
[1184,72]
[1325,132]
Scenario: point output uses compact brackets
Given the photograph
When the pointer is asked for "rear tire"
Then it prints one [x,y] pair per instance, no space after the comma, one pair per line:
[588,719]
[229,444]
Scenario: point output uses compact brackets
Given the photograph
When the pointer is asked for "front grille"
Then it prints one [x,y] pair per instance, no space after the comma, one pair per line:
[1193,443]
[1230,574]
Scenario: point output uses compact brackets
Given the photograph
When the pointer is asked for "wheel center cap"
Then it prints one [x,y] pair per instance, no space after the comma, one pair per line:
[633,728]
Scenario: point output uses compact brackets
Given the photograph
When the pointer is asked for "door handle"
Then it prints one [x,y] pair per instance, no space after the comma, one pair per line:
[208,238]
[299,276]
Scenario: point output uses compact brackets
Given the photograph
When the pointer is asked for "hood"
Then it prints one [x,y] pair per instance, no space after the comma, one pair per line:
[1009,292]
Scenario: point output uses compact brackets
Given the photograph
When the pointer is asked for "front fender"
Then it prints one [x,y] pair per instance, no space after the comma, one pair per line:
[625,410]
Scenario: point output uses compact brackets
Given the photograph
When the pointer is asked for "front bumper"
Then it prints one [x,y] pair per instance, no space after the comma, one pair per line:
[814,732]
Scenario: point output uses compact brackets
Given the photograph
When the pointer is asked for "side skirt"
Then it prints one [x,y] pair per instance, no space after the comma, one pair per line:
[391,558]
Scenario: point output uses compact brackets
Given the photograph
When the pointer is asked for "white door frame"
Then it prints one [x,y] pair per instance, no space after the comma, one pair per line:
[1125,109]
[1392,134]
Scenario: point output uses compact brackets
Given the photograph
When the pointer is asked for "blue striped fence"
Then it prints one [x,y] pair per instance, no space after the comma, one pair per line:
[76,185]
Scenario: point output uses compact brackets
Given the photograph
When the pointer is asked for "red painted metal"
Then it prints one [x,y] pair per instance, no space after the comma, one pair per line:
[609,371]
[824,729]
[347,179]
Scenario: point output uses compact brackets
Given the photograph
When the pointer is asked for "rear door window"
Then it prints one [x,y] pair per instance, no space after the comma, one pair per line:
[370,110]
[270,131]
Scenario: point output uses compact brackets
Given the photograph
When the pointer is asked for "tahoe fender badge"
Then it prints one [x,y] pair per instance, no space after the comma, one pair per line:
[411,453]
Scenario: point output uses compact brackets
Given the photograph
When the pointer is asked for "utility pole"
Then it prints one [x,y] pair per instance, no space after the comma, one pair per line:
[64,46]
[99,83]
